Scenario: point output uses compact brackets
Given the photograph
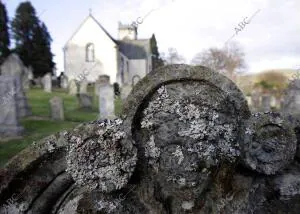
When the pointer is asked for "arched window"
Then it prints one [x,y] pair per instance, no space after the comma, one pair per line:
[90,52]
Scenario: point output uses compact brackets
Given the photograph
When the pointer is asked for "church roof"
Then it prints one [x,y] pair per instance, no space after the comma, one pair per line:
[132,49]
[135,49]
[92,17]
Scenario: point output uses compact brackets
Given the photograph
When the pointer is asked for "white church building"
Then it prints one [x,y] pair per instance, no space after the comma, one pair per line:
[92,51]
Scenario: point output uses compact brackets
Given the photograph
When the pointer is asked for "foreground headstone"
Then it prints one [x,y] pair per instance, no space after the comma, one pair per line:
[106,98]
[9,120]
[47,82]
[177,149]
[57,108]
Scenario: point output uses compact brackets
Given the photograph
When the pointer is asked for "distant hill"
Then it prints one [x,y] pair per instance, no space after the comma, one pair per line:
[246,81]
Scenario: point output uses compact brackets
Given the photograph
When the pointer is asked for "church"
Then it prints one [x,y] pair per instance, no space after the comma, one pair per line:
[92,51]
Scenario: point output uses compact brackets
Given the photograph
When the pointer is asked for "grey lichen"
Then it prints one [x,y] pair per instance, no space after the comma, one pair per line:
[107,206]
[151,151]
[104,161]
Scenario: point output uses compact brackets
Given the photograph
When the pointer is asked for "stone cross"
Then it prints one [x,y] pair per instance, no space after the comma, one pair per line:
[106,98]
[57,108]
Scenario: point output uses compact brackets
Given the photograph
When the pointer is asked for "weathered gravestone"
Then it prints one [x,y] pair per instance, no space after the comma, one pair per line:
[186,143]
[291,103]
[106,98]
[83,86]
[57,108]
[73,87]
[13,67]
[47,82]
[85,101]
[9,120]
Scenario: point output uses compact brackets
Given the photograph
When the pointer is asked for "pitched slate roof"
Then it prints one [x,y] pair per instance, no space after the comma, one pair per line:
[135,49]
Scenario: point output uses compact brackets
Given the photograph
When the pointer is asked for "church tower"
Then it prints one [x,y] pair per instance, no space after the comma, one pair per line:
[127,32]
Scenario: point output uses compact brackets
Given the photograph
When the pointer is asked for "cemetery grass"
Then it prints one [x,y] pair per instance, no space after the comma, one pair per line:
[39,125]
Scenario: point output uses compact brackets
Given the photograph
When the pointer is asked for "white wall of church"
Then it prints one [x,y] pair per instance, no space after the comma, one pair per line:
[105,53]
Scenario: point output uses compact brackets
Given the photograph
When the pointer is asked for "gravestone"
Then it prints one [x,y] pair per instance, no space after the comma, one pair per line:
[47,82]
[9,120]
[64,82]
[72,87]
[26,81]
[265,103]
[83,86]
[291,103]
[106,98]
[177,149]
[57,108]
[13,66]
[97,85]
[85,101]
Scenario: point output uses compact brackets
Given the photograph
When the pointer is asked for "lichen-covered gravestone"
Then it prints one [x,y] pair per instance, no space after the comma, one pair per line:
[186,143]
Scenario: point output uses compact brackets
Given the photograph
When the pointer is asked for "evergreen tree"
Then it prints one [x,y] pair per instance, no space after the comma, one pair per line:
[4,34]
[156,60]
[41,53]
[23,25]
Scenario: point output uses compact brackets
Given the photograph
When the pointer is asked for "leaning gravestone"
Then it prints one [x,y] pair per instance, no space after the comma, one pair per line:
[106,98]
[83,86]
[85,101]
[176,150]
[57,108]
[9,123]
[47,82]
[72,87]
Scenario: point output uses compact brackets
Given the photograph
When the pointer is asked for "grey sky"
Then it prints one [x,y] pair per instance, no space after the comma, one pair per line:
[271,40]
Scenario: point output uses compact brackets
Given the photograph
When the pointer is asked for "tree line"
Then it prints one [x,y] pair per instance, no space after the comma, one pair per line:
[32,40]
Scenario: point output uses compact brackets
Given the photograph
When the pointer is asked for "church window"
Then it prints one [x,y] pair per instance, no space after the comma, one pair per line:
[90,52]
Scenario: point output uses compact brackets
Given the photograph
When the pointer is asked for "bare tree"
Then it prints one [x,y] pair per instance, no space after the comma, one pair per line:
[228,60]
[173,57]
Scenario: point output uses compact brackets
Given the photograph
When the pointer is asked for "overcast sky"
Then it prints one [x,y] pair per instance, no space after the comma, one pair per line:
[271,39]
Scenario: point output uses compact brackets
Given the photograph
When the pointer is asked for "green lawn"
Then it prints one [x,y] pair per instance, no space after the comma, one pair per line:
[39,124]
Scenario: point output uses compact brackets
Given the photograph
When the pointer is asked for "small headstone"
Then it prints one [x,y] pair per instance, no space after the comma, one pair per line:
[106,98]
[47,82]
[255,100]
[26,81]
[9,123]
[30,73]
[64,82]
[85,101]
[83,86]
[57,108]
[73,87]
